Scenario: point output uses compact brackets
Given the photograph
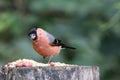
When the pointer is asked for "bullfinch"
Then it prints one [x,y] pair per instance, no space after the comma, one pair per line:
[45,44]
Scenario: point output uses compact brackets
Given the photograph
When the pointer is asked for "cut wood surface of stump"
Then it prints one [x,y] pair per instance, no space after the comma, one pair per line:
[72,72]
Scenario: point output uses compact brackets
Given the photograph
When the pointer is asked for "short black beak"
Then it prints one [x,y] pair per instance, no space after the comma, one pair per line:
[33,30]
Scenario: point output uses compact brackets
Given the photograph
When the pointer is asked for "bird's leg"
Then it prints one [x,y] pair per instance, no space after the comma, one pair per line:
[50,57]
[43,59]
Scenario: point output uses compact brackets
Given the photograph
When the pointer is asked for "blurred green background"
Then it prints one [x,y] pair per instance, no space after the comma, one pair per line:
[92,26]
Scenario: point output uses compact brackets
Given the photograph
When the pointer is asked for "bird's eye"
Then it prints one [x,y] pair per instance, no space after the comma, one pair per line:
[33,36]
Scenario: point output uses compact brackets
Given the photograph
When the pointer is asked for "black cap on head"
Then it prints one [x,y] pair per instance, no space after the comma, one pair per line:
[32,33]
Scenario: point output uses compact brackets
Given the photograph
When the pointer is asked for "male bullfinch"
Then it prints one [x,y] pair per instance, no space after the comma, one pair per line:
[45,44]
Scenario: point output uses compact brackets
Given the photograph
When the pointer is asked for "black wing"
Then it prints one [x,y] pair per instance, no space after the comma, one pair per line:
[58,42]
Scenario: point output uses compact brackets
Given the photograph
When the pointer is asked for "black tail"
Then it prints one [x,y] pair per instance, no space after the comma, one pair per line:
[64,46]
[58,42]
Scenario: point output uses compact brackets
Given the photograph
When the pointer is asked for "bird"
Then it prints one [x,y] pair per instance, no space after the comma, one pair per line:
[45,44]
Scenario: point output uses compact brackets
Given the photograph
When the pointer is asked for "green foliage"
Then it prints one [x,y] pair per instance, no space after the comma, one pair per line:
[6,20]
[92,26]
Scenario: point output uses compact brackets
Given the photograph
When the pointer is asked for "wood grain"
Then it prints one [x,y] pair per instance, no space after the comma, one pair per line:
[50,73]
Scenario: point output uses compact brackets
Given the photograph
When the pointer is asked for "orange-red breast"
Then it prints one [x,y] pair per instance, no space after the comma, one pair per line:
[44,43]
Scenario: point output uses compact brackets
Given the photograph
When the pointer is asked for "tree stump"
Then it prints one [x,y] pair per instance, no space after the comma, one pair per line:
[50,73]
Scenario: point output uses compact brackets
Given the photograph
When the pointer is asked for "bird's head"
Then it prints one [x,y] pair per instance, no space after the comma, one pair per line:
[32,33]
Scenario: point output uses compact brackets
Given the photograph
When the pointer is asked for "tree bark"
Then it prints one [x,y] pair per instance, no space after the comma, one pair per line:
[50,73]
